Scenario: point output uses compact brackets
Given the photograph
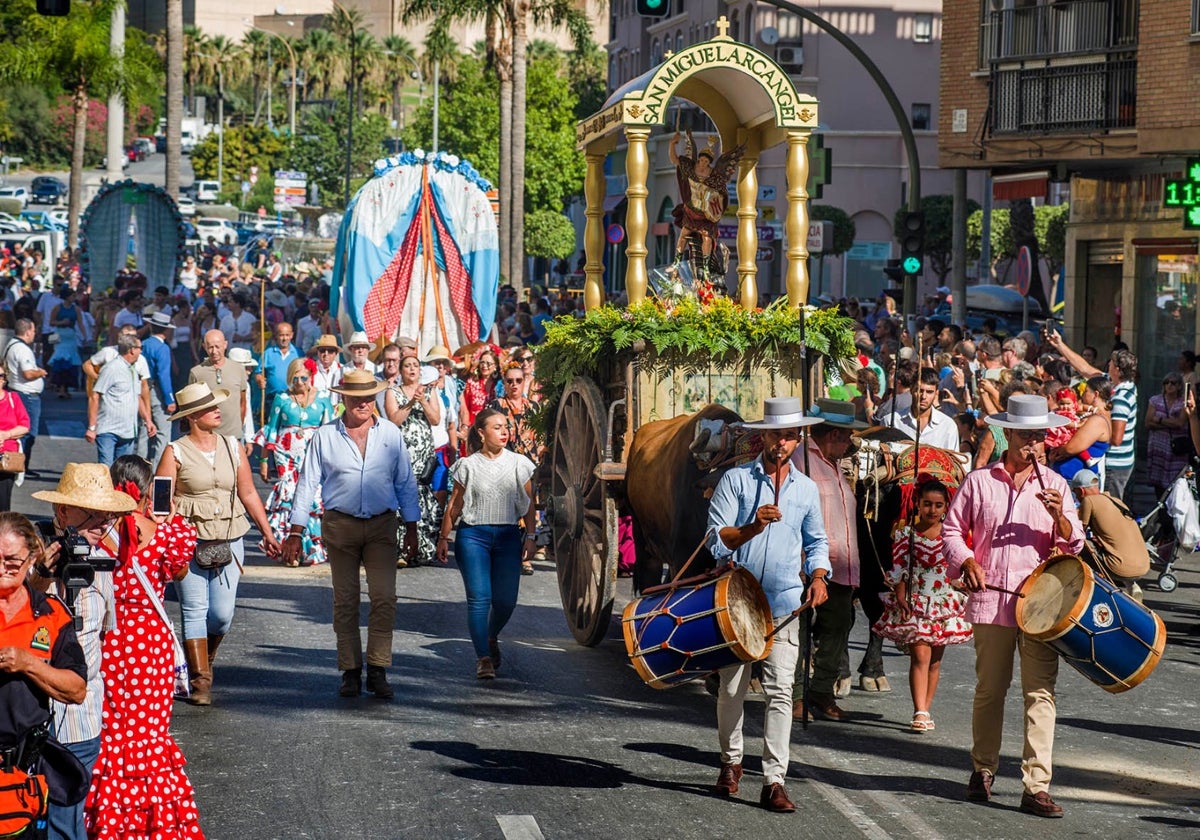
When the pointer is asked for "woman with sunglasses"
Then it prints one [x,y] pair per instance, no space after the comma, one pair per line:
[1167,423]
[414,406]
[522,438]
[478,391]
[295,416]
[14,425]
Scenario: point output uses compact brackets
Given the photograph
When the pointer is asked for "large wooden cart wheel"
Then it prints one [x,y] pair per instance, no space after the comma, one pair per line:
[582,516]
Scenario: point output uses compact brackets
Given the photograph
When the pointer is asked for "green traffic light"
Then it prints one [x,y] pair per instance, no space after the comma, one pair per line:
[912,265]
[654,5]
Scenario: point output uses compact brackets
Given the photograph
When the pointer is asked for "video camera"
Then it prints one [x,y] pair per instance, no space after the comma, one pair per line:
[76,567]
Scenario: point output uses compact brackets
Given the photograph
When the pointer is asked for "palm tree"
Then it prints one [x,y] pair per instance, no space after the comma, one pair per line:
[73,51]
[195,46]
[321,60]
[175,45]
[256,50]
[401,57]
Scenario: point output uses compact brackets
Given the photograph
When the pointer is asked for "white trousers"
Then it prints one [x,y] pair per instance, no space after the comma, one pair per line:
[778,675]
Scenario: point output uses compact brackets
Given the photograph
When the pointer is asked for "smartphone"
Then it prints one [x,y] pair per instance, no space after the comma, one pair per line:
[1187,392]
[164,489]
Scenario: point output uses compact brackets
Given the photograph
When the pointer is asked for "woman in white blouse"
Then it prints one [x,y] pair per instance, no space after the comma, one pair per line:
[493,495]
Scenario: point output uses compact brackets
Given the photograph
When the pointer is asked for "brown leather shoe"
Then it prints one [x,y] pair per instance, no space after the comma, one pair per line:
[727,782]
[823,706]
[979,788]
[1040,805]
[774,798]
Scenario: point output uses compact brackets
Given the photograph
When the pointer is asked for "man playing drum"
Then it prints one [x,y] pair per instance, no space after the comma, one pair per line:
[766,517]
[1005,520]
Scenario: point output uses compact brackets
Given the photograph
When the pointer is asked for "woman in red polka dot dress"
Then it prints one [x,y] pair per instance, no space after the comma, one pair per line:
[139,788]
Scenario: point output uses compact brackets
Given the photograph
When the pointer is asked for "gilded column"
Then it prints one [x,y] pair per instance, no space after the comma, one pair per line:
[593,232]
[797,218]
[637,169]
[747,234]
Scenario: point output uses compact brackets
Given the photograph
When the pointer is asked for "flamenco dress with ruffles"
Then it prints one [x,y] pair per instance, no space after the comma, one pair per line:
[937,607]
[139,788]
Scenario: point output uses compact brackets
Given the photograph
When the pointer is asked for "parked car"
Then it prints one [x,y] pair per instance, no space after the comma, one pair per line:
[186,206]
[219,228]
[18,193]
[146,144]
[47,190]
[207,192]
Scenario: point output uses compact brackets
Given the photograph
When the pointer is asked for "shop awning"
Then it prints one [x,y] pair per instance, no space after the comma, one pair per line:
[1020,185]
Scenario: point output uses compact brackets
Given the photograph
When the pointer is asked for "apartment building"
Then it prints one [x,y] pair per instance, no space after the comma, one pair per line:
[1098,97]
[869,171]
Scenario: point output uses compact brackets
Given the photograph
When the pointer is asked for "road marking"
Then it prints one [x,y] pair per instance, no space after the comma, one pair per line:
[519,827]
[870,829]
[891,804]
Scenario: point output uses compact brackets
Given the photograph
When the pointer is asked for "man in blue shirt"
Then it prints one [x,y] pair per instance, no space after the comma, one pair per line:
[157,354]
[363,469]
[766,517]
[272,377]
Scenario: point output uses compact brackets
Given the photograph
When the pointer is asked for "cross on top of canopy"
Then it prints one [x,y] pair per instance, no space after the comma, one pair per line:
[738,86]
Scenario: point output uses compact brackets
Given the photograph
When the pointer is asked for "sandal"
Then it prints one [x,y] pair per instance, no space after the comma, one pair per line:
[527,568]
[921,722]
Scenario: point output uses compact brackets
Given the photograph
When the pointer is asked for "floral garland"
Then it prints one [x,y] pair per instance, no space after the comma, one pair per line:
[441,161]
[149,189]
[685,336]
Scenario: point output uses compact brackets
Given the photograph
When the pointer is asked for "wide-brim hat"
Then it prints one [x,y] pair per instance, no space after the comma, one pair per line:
[359,338]
[242,356]
[197,397]
[782,413]
[359,383]
[837,413]
[429,374]
[438,353]
[159,319]
[1027,412]
[277,298]
[326,340]
[88,486]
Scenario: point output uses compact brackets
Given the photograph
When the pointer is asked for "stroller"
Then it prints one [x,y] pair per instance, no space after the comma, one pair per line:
[1172,527]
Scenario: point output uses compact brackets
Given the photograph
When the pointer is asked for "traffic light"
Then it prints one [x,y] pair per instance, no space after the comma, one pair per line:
[912,244]
[654,8]
[894,272]
[54,8]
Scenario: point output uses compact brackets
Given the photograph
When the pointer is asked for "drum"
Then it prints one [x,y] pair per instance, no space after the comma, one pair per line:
[1099,630]
[687,632]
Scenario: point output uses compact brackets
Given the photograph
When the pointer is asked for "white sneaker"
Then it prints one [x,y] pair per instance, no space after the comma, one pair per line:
[1135,592]
[20,479]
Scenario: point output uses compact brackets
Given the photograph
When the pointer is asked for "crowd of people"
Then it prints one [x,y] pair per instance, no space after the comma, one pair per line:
[378,453]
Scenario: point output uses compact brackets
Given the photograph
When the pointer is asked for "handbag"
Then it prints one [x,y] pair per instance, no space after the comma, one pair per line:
[1182,445]
[212,555]
[23,799]
[12,462]
[182,688]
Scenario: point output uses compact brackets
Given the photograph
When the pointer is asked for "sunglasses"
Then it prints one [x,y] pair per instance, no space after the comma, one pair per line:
[14,562]
[513,381]
[300,378]
[326,350]
[218,376]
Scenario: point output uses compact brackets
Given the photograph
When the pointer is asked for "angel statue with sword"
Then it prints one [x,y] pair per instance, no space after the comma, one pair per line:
[703,195]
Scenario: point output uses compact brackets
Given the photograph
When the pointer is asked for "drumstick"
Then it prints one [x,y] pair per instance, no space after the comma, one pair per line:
[778,479]
[795,614]
[1037,473]
[958,584]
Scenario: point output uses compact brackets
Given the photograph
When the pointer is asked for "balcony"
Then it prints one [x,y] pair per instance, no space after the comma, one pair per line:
[1099,95]
[1058,29]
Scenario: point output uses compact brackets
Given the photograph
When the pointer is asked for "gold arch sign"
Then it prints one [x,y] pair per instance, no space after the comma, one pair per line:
[751,100]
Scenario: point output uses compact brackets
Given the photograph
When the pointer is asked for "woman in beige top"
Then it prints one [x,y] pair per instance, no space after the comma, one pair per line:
[214,491]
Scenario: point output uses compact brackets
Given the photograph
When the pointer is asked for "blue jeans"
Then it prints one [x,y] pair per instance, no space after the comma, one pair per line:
[33,407]
[66,822]
[207,596]
[109,447]
[489,557]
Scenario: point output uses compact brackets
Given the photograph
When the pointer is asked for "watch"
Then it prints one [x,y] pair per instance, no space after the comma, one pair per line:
[90,428]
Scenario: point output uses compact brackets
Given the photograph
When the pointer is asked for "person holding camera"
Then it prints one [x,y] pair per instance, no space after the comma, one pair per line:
[138,670]
[77,568]
[214,491]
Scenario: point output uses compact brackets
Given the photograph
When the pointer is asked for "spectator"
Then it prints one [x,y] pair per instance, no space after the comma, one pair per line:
[227,377]
[28,381]
[157,354]
[1167,446]
[1013,351]
[989,356]
[277,361]
[936,428]
[130,315]
[116,402]
[358,350]
[239,325]
[1115,545]
[308,329]
[329,369]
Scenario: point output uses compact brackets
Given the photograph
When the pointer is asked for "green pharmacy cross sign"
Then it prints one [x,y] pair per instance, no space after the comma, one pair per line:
[1185,193]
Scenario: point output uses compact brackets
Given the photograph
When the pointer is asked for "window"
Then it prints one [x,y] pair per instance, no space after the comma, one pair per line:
[789,27]
[655,54]
[922,116]
[923,28]
[679,41]
[1196,17]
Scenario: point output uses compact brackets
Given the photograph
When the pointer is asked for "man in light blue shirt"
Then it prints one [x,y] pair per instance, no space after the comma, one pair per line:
[272,378]
[157,354]
[766,517]
[363,469]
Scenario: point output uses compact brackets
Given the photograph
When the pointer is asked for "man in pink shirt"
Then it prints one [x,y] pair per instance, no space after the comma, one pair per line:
[827,445]
[1005,520]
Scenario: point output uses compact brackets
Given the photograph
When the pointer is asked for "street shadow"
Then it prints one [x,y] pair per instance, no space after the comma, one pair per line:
[1169,735]
[1174,822]
[541,769]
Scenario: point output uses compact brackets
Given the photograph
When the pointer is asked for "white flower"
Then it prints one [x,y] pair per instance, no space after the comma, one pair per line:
[419,154]
[452,160]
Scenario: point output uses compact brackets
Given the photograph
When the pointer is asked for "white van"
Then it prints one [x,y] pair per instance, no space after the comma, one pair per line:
[207,191]
[187,141]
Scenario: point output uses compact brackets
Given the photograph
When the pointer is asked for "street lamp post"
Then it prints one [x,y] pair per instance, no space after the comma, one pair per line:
[416,74]
[220,128]
[291,84]
[350,118]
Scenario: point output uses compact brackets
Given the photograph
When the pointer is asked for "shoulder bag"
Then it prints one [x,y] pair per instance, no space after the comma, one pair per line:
[182,688]
[217,554]
[12,462]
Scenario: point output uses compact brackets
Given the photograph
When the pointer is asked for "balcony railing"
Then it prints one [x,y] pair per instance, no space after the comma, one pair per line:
[1059,28]
[1056,98]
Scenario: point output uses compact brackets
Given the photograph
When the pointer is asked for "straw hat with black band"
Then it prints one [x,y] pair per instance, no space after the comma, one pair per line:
[197,397]
[359,383]
[325,341]
[87,486]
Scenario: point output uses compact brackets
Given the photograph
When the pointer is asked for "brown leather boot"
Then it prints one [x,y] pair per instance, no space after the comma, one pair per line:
[214,642]
[199,671]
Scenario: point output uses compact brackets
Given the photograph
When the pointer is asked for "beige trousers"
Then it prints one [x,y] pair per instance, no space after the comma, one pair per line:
[994,649]
[350,542]
[779,672]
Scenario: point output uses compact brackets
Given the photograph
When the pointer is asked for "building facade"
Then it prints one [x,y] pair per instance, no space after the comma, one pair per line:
[869,174]
[1098,96]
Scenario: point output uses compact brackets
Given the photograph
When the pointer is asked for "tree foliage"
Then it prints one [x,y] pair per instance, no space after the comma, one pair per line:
[844,229]
[549,234]
[1050,228]
[939,231]
[321,148]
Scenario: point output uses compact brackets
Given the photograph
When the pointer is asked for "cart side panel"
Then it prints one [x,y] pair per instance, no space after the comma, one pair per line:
[663,396]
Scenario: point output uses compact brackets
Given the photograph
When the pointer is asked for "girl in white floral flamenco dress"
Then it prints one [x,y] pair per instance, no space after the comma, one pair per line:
[932,616]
